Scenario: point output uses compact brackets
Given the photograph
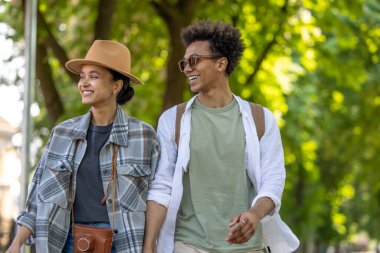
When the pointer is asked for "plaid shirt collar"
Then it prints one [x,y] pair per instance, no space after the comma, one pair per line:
[119,133]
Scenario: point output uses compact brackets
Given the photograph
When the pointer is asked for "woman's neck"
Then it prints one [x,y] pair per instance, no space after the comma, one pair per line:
[103,116]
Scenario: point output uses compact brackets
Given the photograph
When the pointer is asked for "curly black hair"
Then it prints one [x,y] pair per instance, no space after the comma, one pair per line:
[223,38]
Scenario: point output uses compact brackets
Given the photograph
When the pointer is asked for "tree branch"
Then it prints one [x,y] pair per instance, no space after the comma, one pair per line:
[164,10]
[284,10]
[58,51]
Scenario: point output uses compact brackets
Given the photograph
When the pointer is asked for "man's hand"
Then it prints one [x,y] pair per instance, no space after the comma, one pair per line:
[244,227]
[245,224]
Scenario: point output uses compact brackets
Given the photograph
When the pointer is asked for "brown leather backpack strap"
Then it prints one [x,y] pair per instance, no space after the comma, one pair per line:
[259,119]
[180,111]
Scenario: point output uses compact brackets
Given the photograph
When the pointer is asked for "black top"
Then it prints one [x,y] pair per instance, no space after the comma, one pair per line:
[89,186]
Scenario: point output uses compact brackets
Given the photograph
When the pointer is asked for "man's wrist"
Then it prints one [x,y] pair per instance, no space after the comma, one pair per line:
[263,207]
[256,214]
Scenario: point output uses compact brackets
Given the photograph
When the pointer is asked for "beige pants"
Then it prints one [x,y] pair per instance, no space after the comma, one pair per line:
[180,247]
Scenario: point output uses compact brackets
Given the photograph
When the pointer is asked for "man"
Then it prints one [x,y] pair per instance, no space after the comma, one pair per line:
[220,190]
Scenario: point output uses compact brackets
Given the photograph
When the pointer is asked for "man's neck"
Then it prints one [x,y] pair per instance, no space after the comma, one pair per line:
[103,116]
[216,98]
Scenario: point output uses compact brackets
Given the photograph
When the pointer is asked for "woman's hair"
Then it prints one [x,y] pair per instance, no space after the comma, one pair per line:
[223,38]
[126,93]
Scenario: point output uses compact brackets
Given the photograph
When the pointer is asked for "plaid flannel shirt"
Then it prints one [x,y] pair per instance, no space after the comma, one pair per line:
[49,201]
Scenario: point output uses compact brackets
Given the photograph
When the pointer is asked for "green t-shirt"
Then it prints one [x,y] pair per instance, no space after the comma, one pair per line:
[216,186]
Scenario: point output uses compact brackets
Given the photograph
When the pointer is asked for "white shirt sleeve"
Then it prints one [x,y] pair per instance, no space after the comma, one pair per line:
[272,169]
[161,187]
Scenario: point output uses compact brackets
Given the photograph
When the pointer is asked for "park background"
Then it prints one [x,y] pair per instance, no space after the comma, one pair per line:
[314,63]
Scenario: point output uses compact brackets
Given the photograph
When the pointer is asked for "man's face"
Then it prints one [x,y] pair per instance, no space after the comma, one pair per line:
[202,72]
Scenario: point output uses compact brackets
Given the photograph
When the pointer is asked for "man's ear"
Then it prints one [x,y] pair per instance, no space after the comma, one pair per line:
[222,64]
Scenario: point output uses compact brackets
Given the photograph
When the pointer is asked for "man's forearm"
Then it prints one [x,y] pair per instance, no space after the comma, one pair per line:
[262,207]
[155,217]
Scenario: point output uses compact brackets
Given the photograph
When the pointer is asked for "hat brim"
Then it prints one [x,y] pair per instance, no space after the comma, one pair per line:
[75,67]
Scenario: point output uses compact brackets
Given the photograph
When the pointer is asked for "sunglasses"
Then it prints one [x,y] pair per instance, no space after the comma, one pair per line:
[193,60]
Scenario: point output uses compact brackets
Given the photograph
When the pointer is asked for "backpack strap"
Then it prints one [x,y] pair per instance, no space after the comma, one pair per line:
[256,110]
[259,119]
[180,111]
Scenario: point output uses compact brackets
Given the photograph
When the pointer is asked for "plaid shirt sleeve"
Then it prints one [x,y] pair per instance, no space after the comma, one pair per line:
[27,218]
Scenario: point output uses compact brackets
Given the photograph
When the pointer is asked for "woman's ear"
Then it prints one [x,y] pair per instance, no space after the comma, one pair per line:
[118,86]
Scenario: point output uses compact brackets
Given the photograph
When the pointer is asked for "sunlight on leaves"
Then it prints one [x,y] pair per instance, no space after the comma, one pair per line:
[347,191]
[308,60]
[337,100]
[338,223]
[246,93]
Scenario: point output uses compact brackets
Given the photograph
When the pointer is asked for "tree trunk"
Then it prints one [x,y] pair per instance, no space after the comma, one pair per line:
[176,16]
[175,80]
[103,24]
[52,99]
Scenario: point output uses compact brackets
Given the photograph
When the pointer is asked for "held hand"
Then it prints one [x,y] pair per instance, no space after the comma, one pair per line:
[243,227]
[22,235]
[13,249]
[148,249]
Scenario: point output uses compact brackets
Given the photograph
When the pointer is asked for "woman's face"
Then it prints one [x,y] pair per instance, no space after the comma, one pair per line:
[97,86]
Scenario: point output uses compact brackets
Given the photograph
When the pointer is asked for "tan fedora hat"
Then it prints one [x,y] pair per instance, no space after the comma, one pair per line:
[106,53]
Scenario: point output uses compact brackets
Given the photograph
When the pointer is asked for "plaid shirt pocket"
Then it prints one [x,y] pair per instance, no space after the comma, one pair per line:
[55,183]
[133,182]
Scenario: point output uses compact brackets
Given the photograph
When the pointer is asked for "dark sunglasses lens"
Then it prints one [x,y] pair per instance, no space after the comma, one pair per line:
[193,61]
[182,65]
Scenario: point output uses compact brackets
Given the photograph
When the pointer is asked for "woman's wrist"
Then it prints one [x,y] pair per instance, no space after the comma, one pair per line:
[17,243]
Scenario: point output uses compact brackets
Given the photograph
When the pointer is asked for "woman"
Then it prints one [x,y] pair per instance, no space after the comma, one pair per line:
[74,173]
